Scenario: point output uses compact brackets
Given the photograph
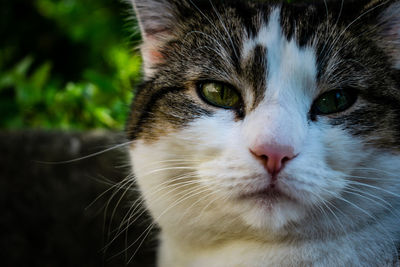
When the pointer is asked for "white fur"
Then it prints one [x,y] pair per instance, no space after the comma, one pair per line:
[291,76]
[192,181]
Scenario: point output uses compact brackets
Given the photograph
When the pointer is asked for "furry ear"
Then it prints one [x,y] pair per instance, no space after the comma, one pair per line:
[156,19]
[389,32]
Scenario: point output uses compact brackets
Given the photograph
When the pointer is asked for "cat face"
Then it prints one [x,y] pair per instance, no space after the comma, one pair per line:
[267,117]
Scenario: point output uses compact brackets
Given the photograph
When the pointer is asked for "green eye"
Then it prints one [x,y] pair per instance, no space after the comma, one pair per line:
[219,94]
[334,101]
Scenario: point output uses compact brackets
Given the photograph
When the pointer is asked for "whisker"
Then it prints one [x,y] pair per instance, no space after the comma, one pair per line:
[374,187]
[351,23]
[225,29]
[367,198]
[177,186]
[207,18]
[129,221]
[369,194]
[118,203]
[197,201]
[149,228]
[376,170]
[84,157]
[112,187]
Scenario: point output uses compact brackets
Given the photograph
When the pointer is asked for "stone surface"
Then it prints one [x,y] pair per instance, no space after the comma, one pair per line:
[47,218]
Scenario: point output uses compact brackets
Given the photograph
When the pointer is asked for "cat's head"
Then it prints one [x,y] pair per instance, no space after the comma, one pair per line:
[266,116]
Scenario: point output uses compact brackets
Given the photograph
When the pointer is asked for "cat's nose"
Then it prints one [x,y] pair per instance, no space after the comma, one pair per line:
[274,156]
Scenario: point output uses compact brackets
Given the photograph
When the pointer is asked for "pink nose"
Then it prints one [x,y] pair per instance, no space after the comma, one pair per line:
[274,156]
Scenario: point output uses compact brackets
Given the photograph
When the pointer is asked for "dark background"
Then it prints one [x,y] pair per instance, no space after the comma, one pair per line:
[67,73]
[56,214]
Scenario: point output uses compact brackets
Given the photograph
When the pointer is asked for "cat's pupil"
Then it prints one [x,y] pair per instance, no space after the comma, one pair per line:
[220,95]
[334,101]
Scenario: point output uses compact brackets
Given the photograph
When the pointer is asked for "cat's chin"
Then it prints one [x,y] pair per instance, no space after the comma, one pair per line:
[270,209]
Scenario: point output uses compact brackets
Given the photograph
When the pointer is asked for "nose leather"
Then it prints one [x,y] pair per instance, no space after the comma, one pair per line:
[274,156]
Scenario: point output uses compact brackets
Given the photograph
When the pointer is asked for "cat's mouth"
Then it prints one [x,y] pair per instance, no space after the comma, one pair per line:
[266,197]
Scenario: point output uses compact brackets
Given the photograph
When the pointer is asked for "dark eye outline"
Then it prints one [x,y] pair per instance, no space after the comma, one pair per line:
[349,93]
[200,86]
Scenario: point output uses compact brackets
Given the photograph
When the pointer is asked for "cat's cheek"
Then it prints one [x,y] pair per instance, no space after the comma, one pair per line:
[325,167]
[169,167]
[343,150]
[146,161]
[328,155]
[234,171]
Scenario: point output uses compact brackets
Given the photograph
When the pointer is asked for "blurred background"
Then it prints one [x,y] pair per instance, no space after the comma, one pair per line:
[66,64]
[67,73]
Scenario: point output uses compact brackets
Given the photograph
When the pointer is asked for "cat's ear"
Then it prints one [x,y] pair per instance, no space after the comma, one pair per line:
[156,20]
[389,32]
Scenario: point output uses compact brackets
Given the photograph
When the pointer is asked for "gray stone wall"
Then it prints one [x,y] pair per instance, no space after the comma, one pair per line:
[45,217]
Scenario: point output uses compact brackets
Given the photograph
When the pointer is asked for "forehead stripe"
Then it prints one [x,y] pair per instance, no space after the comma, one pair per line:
[289,69]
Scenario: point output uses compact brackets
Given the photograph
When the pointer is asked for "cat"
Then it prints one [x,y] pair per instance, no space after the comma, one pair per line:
[267,133]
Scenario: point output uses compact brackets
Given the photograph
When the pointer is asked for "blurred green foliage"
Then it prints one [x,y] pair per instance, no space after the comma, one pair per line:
[66,64]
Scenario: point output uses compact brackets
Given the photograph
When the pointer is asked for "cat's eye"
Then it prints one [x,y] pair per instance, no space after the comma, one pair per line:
[334,101]
[219,94]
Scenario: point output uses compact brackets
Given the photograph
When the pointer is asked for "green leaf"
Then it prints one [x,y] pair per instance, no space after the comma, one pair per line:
[22,67]
[41,76]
